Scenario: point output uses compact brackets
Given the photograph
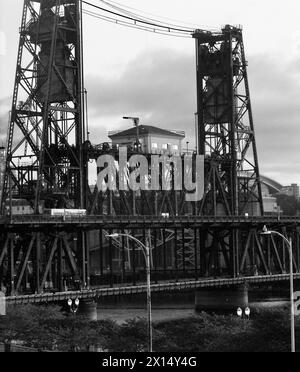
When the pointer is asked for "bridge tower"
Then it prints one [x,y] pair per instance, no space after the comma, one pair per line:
[225,125]
[45,163]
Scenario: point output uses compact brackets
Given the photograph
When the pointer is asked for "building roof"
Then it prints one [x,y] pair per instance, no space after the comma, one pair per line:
[273,186]
[146,129]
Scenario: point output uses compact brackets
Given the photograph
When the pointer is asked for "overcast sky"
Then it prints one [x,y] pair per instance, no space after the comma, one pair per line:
[130,72]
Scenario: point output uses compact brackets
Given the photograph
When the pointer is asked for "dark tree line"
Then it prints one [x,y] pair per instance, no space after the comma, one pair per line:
[49,329]
[288,204]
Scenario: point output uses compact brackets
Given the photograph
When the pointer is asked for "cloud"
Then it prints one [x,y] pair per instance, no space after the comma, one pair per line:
[275,90]
[160,88]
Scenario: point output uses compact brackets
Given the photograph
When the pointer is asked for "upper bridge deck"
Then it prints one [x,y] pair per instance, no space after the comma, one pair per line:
[19,222]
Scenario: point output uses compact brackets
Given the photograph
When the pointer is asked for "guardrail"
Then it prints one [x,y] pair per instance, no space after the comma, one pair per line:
[45,219]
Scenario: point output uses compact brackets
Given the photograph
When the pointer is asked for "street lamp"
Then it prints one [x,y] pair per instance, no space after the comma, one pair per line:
[247,312]
[146,253]
[136,122]
[239,312]
[289,243]
[73,305]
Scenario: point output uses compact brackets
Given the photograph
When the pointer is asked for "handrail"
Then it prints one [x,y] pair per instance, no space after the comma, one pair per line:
[143,219]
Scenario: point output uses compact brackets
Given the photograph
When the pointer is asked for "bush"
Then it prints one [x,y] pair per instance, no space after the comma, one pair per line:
[48,328]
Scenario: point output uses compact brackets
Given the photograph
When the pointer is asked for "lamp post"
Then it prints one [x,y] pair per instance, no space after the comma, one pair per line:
[146,253]
[73,305]
[136,122]
[289,243]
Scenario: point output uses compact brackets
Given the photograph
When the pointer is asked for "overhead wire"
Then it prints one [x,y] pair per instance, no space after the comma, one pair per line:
[194,26]
[141,17]
[144,22]
[136,26]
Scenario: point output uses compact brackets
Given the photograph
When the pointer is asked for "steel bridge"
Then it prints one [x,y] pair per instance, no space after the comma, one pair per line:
[47,158]
[168,287]
[175,252]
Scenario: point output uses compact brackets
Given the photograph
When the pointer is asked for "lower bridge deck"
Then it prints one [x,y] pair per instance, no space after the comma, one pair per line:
[95,293]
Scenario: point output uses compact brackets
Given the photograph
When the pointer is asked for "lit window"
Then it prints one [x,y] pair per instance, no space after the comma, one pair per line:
[154,145]
[165,146]
[175,147]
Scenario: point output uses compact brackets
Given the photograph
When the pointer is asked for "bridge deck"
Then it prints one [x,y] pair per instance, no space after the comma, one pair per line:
[129,290]
[34,221]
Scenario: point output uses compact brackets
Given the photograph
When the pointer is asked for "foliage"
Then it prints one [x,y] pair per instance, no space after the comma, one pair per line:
[47,327]
[288,204]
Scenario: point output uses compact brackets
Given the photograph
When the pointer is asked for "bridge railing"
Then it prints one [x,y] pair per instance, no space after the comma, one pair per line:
[41,219]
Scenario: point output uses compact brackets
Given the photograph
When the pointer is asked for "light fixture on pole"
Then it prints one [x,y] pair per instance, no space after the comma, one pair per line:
[146,253]
[290,249]
[136,122]
[73,305]
[247,312]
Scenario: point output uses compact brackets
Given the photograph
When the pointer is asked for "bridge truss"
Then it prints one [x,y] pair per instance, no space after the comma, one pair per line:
[47,165]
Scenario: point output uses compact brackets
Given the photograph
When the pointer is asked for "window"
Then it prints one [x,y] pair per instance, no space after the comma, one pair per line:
[165,146]
[154,145]
[175,147]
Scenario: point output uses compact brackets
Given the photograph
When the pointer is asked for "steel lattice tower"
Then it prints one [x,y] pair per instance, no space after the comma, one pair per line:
[45,163]
[225,125]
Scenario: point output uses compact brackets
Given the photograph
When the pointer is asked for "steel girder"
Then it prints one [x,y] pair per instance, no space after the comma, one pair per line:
[44,163]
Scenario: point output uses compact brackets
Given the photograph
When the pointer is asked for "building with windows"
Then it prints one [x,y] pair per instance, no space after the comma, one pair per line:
[292,190]
[150,139]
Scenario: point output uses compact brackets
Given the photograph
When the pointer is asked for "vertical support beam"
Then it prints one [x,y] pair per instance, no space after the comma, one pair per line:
[60,265]
[123,252]
[202,240]
[133,261]
[110,257]
[297,232]
[88,266]
[37,260]
[155,255]
[200,115]
[176,252]
[234,252]
[11,263]
[101,247]
[195,254]
[165,254]
[183,250]
[81,239]
[269,254]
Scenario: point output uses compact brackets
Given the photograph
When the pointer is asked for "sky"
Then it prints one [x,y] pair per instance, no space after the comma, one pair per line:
[135,73]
